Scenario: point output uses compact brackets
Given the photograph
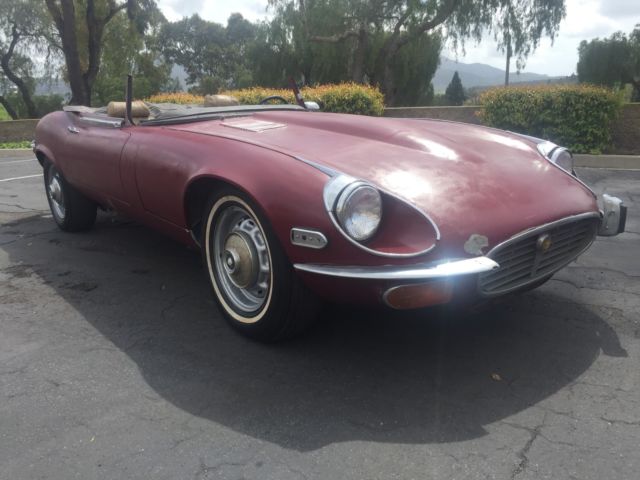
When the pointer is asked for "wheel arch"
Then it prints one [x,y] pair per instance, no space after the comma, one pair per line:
[197,193]
[44,155]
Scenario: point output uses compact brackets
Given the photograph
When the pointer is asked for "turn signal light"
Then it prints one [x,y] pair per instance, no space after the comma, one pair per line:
[419,295]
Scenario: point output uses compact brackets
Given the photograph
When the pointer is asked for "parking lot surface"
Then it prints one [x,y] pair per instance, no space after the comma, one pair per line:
[115,364]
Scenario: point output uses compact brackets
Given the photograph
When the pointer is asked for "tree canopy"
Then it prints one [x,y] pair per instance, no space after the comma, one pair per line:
[519,25]
[213,56]
[393,44]
[613,61]
[20,22]
[376,32]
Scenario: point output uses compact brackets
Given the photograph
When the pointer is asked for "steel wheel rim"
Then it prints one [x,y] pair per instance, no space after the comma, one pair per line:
[56,196]
[241,260]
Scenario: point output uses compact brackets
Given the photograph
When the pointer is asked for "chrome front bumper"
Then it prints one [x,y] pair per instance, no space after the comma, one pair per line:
[613,219]
[453,268]
[614,216]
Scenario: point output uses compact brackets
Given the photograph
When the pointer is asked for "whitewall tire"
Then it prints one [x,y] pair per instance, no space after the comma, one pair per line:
[251,278]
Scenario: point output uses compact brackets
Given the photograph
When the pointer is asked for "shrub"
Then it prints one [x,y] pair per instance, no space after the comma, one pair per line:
[175,97]
[578,117]
[44,104]
[20,144]
[341,98]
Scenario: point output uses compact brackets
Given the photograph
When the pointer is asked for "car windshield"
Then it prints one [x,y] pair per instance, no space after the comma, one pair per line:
[163,113]
[172,113]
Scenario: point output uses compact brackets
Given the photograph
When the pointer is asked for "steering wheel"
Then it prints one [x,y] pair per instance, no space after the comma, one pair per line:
[273,97]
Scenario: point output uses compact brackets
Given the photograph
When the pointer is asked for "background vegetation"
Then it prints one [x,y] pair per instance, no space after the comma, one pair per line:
[90,45]
[576,116]
[341,98]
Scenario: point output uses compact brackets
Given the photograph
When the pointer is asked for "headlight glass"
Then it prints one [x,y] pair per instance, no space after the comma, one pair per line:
[359,211]
[563,158]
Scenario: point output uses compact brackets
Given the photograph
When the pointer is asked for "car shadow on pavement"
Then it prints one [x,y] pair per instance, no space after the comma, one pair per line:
[358,375]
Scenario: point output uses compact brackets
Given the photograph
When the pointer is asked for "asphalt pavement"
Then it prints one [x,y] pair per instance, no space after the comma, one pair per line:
[116,364]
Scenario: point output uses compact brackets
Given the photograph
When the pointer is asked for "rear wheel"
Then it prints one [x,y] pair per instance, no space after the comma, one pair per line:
[252,279]
[71,210]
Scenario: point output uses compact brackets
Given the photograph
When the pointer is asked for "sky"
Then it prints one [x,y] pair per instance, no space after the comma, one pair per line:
[586,19]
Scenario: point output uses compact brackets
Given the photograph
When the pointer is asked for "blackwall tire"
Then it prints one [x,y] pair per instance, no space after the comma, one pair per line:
[71,210]
[252,280]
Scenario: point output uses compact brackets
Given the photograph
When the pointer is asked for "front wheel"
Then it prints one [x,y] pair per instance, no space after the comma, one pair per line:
[252,279]
[71,210]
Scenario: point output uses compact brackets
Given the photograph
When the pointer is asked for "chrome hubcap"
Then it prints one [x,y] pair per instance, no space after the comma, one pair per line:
[54,191]
[241,259]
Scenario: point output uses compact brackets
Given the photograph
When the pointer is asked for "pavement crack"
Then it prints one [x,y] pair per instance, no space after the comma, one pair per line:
[631,423]
[523,453]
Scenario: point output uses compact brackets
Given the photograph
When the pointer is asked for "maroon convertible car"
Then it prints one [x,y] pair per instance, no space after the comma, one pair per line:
[291,206]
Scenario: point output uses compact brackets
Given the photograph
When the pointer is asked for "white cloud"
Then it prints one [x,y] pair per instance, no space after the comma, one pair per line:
[586,19]
[215,11]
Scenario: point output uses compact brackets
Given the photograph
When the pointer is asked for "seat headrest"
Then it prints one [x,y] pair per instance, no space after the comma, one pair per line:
[220,101]
[119,109]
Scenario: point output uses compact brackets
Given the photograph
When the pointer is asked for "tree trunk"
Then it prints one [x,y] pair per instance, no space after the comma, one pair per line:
[95,27]
[32,112]
[383,74]
[7,106]
[357,73]
[635,95]
[508,66]
[65,21]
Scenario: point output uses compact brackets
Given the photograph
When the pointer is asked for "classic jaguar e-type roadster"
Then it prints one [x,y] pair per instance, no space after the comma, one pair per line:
[291,206]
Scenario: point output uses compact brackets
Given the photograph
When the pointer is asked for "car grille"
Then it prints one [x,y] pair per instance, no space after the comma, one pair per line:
[526,257]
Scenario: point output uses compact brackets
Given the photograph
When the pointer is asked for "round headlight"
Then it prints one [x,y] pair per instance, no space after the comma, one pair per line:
[563,158]
[359,211]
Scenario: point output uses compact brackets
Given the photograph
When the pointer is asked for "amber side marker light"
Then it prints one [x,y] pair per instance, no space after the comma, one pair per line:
[419,295]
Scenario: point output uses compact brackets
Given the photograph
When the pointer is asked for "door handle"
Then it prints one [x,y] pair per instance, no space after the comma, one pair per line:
[73,129]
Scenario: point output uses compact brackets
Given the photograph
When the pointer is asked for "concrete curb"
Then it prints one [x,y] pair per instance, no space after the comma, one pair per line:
[620,162]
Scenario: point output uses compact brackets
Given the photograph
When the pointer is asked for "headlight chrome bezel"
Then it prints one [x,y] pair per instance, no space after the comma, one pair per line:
[345,210]
[560,156]
[339,182]
[337,194]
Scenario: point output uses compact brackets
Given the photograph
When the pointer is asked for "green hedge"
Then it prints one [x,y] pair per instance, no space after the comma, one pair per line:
[578,117]
[341,98]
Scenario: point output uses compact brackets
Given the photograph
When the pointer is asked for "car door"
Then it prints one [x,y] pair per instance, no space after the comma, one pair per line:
[94,147]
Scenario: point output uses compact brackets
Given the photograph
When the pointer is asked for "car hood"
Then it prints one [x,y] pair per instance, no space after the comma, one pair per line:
[469,179]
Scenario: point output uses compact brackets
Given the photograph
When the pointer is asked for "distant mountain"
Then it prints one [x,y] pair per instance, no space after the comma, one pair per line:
[478,75]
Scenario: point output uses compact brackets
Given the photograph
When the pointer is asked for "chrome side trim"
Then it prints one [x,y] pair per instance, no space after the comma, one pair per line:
[303,237]
[452,268]
[330,172]
[102,122]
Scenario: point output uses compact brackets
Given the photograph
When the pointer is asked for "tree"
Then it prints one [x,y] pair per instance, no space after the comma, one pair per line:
[80,26]
[519,25]
[213,56]
[19,23]
[455,91]
[403,22]
[140,56]
[613,61]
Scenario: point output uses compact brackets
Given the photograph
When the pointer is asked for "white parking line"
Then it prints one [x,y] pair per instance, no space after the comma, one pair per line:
[20,178]
[16,161]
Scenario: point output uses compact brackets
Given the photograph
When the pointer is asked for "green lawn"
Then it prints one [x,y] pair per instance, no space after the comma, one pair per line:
[21,144]
[3,114]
